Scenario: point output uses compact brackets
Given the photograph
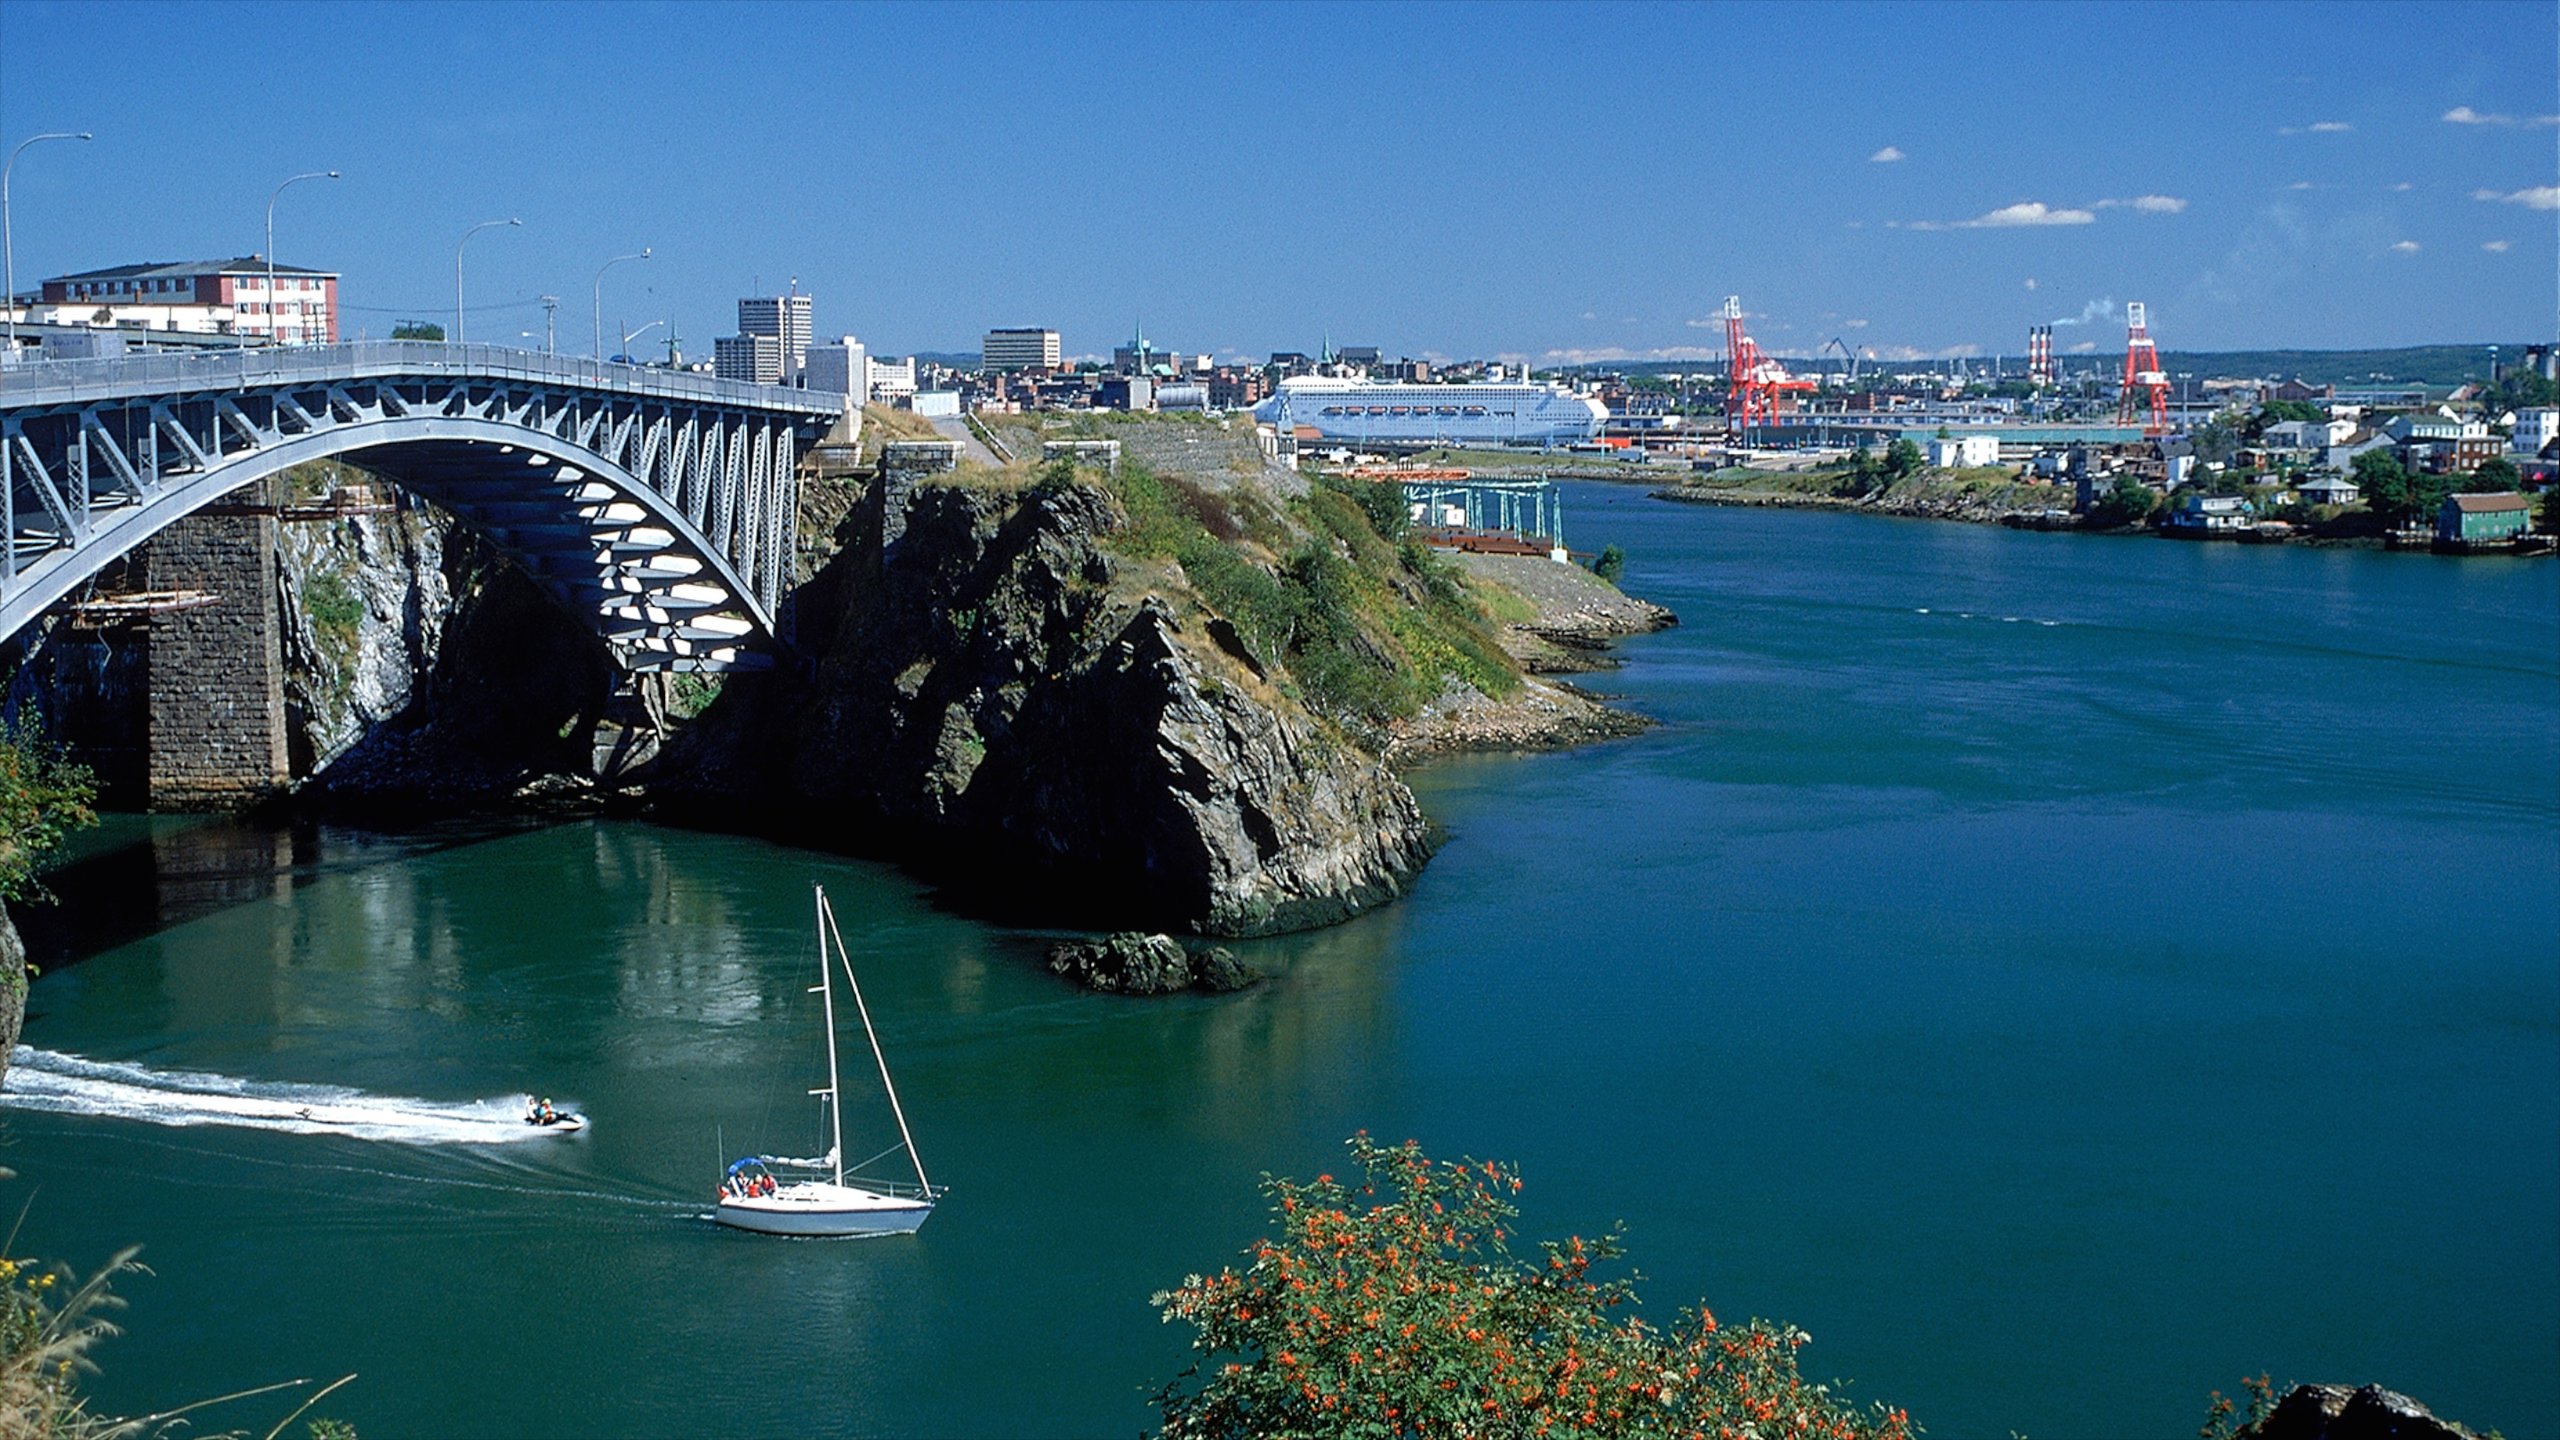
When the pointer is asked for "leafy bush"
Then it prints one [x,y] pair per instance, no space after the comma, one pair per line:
[1399,1309]
[1612,564]
[43,797]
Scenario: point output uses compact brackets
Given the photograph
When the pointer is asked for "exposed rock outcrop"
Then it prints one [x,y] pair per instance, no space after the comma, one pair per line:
[1131,963]
[1002,701]
[13,989]
[2334,1412]
[421,668]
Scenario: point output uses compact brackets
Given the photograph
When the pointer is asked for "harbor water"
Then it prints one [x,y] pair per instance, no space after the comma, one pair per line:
[2062,974]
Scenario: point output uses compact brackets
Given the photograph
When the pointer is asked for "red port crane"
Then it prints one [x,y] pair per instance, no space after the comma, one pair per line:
[2143,375]
[1757,380]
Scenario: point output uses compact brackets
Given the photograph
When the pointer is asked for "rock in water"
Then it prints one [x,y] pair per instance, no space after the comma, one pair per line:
[2334,1412]
[1218,971]
[1128,963]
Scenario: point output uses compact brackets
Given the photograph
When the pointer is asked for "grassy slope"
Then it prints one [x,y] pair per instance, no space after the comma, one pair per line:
[1363,629]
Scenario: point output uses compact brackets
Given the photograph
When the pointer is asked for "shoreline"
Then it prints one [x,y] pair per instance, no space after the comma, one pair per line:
[1564,621]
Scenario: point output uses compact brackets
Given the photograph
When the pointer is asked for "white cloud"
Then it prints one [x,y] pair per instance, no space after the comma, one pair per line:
[2147,204]
[2010,217]
[2318,127]
[2539,197]
[1885,156]
[1588,315]
[2465,115]
[2299,185]
[2495,247]
[2031,282]
[2403,185]
[1914,352]
[2406,247]
[1712,322]
[2085,347]
[1853,324]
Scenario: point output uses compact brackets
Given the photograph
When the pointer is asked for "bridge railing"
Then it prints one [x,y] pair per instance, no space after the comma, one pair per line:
[57,382]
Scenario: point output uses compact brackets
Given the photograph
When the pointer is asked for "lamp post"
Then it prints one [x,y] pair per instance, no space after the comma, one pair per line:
[275,327]
[609,264]
[630,335]
[8,242]
[457,270]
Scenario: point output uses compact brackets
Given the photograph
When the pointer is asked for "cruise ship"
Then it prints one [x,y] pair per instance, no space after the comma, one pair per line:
[1497,413]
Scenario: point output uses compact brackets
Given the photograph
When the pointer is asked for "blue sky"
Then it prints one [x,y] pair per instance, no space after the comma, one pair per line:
[1553,181]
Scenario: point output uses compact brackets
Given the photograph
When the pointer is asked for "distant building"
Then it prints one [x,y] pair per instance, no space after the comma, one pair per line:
[1125,392]
[756,359]
[839,367]
[785,318]
[2482,519]
[2328,490]
[205,297]
[1020,349]
[1182,397]
[935,404]
[891,379]
[1965,450]
[2536,428]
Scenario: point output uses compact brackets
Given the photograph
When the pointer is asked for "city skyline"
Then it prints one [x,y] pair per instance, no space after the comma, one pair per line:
[1560,185]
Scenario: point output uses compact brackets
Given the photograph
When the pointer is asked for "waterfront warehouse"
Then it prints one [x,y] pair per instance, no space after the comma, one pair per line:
[1498,413]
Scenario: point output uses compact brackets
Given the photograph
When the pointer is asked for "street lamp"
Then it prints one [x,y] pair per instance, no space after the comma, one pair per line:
[457,270]
[8,243]
[609,264]
[631,335]
[275,327]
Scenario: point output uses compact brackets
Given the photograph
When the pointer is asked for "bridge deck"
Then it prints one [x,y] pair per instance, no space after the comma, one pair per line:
[129,377]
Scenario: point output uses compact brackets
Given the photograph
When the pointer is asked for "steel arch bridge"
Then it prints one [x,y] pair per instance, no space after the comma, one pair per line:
[661,505]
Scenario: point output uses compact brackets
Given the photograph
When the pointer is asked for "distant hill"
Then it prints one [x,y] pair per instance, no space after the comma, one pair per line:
[2409,365]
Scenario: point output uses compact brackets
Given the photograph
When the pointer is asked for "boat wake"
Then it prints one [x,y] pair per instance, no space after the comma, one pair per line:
[72,1085]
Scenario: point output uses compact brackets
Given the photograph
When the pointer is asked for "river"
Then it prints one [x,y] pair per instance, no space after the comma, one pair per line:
[2063,974]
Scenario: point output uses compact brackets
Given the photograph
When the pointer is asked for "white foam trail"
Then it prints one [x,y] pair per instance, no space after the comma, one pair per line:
[72,1085]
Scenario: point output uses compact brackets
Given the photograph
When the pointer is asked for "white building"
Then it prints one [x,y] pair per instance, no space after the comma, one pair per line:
[1965,450]
[839,367]
[786,319]
[1019,349]
[891,379]
[2307,434]
[2535,428]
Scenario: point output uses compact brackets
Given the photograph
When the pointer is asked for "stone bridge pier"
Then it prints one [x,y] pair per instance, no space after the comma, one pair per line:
[215,729]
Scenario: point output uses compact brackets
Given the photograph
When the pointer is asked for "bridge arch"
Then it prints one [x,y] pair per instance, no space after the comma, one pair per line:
[659,507]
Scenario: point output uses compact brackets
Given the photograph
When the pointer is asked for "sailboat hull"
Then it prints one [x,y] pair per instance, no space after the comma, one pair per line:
[817,1208]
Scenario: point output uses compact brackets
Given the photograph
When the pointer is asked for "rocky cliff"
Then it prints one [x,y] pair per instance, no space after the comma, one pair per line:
[420,667]
[999,697]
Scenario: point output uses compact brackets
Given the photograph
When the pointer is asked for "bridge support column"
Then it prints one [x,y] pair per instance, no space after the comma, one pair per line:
[216,688]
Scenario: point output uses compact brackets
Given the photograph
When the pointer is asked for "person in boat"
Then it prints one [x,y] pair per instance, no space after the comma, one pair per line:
[539,1112]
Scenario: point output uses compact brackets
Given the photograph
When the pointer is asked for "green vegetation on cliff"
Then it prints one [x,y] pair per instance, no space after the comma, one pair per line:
[43,797]
[1324,588]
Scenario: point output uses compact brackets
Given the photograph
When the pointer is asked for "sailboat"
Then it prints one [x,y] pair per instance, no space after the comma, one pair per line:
[755,1193]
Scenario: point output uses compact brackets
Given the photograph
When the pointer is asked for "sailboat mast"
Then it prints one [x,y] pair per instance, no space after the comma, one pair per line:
[864,1010]
[827,992]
